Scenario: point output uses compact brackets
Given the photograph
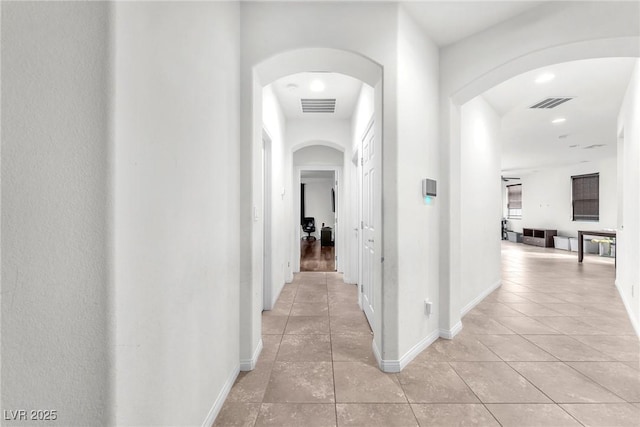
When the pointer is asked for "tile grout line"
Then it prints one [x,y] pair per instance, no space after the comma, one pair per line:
[474,393]
[276,356]
[596,382]
[333,371]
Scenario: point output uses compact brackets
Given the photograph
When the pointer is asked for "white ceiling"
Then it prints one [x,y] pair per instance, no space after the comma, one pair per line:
[531,141]
[291,89]
[447,22]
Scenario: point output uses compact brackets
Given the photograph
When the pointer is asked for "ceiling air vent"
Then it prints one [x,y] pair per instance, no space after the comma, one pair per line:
[551,102]
[318,105]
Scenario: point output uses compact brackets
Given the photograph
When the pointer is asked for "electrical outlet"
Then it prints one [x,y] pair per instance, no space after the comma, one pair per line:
[427,307]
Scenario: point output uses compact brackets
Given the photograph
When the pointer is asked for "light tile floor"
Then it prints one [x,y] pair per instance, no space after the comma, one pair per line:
[551,347]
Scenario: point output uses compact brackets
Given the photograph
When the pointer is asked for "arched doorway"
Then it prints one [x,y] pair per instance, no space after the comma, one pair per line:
[458,92]
[263,74]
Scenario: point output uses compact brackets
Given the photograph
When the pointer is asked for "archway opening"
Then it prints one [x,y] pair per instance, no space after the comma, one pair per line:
[523,145]
[272,116]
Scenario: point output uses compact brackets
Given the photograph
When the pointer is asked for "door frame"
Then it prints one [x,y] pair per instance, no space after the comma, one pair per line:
[371,127]
[267,230]
[337,171]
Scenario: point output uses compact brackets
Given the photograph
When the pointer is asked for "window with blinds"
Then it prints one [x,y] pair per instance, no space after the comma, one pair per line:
[585,191]
[514,201]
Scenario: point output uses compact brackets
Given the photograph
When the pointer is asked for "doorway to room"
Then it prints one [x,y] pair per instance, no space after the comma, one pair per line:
[318,219]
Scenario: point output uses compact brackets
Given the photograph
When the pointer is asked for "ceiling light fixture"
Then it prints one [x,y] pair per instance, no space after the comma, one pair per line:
[544,78]
[317,86]
[292,87]
[559,120]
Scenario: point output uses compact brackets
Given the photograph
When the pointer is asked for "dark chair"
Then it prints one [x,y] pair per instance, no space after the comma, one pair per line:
[309,226]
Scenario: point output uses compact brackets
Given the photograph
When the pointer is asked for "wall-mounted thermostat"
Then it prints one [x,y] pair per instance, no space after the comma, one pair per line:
[428,187]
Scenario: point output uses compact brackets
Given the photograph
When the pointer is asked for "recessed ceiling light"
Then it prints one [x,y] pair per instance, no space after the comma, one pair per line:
[558,120]
[292,86]
[563,136]
[544,78]
[317,86]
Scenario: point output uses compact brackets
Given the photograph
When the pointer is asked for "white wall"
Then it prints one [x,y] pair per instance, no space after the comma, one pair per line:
[362,114]
[318,155]
[335,134]
[56,349]
[417,223]
[176,210]
[546,198]
[481,195]
[628,234]
[280,245]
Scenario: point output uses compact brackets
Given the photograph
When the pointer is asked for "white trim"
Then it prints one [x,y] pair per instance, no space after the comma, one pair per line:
[634,322]
[267,210]
[448,334]
[222,396]
[477,300]
[376,354]
[250,364]
[392,366]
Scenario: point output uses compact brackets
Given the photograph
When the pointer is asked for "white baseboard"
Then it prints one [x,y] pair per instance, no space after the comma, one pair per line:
[448,334]
[630,313]
[477,300]
[250,364]
[222,396]
[393,366]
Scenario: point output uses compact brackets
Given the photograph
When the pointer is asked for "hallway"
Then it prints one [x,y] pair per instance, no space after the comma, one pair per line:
[551,346]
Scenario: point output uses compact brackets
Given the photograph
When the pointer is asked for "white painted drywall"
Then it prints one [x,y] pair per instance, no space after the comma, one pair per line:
[479,260]
[176,176]
[280,244]
[362,114]
[318,202]
[546,198]
[554,32]
[56,348]
[317,155]
[628,235]
[303,133]
[417,222]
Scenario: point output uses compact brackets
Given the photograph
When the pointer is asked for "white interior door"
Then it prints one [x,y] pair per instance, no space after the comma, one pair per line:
[369,224]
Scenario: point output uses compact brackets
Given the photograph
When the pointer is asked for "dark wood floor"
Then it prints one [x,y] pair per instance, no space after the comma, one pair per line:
[314,257]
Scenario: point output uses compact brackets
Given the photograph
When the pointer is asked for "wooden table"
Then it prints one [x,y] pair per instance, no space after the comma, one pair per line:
[581,234]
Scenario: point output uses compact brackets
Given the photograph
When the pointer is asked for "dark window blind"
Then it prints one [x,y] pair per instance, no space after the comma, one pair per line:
[514,196]
[586,197]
